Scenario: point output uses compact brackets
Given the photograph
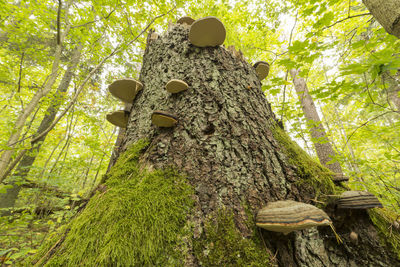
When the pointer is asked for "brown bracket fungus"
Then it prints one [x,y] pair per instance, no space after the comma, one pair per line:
[353,237]
[175,86]
[286,216]
[262,69]
[358,200]
[118,118]
[208,31]
[163,119]
[338,177]
[125,89]
[186,20]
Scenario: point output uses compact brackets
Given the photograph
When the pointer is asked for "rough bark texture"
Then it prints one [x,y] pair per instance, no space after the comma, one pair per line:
[227,147]
[387,13]
[392,83]
[321,142]
[8,200]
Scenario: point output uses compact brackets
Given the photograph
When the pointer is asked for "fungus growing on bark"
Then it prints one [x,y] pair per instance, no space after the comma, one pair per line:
[338,177]
[118,118]
[163,119]
[262,69]
[186,20]
[208,31]
[287,215]
[125,89]
[353,237]
[358,200]
[175,86]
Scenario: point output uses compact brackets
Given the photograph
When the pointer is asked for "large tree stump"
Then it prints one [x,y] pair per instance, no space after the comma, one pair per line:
[228,149]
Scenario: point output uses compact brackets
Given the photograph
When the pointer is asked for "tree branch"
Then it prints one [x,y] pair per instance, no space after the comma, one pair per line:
[59,22]
[349,17]
[94,21]
[365,123]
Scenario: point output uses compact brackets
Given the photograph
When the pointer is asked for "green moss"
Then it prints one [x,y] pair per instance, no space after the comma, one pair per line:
[311,172]
[221,244]
[383,220]
[138,221]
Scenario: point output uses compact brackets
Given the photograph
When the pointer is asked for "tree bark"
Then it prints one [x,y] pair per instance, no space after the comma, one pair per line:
[321,142]
[235,159]
[387,13]
[8,199]
[392,85]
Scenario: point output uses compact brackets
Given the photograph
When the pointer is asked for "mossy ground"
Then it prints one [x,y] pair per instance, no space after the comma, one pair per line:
[223,245]
[138,221]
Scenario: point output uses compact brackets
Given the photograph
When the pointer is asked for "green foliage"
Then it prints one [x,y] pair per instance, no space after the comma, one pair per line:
[139,220]
[222,244]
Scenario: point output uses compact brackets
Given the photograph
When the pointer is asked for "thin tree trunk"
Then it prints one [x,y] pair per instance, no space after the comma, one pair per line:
[230,159]
[87,171]
[321,142]
[29,157]
[387,13]
[392,84]
[23,116]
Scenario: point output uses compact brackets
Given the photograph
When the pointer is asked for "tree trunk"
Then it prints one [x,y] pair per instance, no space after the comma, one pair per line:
[392,83]
[387,13]
[187,195]
[42,92]
[8,199]
[321,142]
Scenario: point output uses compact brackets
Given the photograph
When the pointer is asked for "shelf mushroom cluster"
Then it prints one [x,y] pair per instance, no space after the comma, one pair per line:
[286,216]
[126,91]
[204,32]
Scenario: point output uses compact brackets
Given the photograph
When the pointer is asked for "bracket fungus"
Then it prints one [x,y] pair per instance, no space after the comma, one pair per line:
[262,69]
[163,119]
[353,237]
[118,118]
[175,86]
[125,89]
[208,31]
[358,200]
[186,20]
[286,216]
[338,177]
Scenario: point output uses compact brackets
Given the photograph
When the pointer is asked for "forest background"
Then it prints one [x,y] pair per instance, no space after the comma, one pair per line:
[58,57]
